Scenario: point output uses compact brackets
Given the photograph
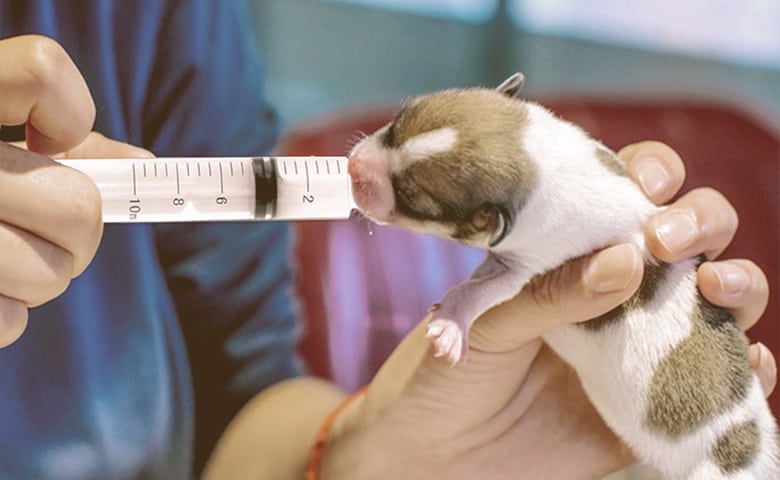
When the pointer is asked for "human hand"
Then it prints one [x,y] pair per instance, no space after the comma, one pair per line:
[50,215]
[516,409]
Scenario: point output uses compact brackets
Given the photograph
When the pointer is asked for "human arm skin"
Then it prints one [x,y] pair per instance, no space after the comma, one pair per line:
[515,406]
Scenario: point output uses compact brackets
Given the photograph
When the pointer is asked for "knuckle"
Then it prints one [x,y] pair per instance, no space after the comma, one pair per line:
[711,196]
[718,207]
[84,212]
[50,275]
[45,59]
[54,286]
[49,68]
[33,269]
[81,223]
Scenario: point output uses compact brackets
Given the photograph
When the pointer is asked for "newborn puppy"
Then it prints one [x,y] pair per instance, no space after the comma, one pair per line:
[667,370]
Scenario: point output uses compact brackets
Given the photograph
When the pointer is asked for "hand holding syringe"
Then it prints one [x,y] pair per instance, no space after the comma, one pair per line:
[220,188]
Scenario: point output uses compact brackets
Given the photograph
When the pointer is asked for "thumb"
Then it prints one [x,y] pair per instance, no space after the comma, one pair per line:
[577,291]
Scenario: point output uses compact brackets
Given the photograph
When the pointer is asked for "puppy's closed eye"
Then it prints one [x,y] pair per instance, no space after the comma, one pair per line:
[494,220]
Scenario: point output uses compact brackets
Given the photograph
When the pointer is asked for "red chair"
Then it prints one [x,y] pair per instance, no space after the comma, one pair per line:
[731,149]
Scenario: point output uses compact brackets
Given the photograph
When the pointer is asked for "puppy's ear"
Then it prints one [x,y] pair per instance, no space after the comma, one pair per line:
[512,85]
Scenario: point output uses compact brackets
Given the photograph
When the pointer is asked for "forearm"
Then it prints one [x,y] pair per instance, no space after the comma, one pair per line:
[272,435]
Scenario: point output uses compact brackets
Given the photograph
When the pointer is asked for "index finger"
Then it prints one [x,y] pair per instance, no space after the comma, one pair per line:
[656,167]
[44,89]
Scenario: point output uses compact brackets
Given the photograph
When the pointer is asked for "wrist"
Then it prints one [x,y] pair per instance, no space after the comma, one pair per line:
[341,450]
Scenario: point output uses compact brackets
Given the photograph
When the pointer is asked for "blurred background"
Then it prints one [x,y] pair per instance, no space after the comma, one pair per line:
[701,75]
[329,54]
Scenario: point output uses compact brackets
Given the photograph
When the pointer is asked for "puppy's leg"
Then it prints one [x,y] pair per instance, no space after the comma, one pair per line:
[493,282]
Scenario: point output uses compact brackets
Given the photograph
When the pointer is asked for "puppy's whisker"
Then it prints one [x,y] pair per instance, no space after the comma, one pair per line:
[356,138]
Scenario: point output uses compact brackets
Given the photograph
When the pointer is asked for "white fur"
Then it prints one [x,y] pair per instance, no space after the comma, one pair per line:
[429,144]
[577,190]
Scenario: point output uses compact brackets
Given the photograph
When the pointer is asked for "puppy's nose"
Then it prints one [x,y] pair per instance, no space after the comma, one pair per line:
[360,162]
[353,162]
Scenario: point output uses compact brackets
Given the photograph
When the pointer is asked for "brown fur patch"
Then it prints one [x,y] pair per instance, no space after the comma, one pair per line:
[654,273]
[737,447]
[702,376]
[610,160]
[487,166]
[483,112]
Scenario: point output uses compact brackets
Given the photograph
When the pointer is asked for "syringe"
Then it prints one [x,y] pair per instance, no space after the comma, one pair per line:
[220,188]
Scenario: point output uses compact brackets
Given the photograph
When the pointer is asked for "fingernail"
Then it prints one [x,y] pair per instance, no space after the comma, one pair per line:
[676,230]
[612,269]
[733,278]
[763,363]
[652,177]
[756,353]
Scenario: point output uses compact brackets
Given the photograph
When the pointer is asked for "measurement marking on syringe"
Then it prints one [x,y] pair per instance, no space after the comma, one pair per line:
[155,170]
[188,168]
[221,180]
[295,167]
[210,172]
[144,170]
[231,168]
[338,167]
[327,166]
[284,164]
[135,189]
[178,183]
[308,183]
[166,168]
[198,164]
[242,168]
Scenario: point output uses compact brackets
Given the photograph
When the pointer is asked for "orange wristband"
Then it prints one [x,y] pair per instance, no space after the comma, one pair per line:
[315,455]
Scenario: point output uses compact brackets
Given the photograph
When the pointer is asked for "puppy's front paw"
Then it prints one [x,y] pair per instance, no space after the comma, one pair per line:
[448,339]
